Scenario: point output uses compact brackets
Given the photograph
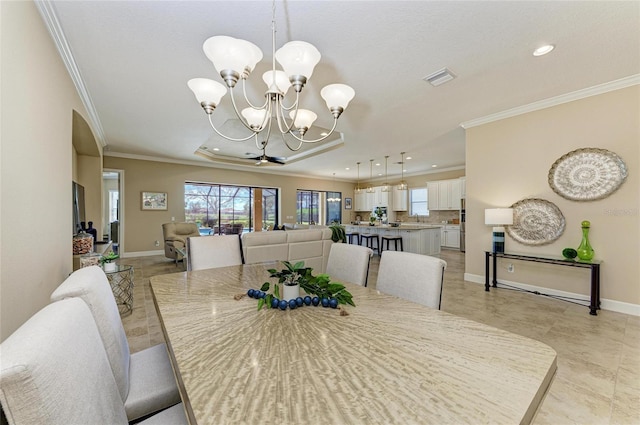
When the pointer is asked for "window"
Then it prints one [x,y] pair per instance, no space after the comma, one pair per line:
[309,207]
[419,201]
[219,207]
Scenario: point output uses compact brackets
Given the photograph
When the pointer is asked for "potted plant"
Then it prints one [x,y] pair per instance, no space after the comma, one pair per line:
[107,261]
[298,276]
[291,277]
[338,233]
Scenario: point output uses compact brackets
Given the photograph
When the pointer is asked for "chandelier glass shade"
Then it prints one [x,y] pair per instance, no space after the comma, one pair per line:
[234,59]
[403,184]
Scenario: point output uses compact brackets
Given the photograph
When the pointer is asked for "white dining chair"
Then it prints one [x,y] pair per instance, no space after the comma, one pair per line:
[349,263]
[54,370]
[413,277]
[209,252]
[144,379]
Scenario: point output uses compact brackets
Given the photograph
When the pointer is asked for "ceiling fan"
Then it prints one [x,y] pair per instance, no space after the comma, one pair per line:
[266,159]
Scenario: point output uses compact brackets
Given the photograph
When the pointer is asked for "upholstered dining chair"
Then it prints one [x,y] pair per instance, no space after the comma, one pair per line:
[54,370]
[144,379]
[349,263]
[413,277]
[209,252]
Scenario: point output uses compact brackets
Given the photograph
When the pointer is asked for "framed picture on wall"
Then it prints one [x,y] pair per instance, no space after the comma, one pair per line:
[347,203]
[154,201]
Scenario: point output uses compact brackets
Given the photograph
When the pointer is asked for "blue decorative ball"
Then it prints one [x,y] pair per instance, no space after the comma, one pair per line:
[299,301]
[263,294]
[250,292]
[283,305]
[275,302]
[315,301]
[333,303]
[325,302]
[292,304]
[307,300]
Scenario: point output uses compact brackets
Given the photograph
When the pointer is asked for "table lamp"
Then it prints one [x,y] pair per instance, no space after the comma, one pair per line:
[498,217]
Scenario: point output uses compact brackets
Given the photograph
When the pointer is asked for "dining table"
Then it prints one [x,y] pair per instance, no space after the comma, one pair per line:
[384,361]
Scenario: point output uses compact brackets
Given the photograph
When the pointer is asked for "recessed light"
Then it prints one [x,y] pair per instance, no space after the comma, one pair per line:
[379,174]
[216,149]
[347,168]
[434,166]
[408,157]
[324,133]
[543,50]
[378,164]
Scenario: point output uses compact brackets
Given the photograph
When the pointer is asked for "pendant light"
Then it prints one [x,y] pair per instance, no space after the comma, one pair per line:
[403,184]
[385,185]
[370,189]
[358,189]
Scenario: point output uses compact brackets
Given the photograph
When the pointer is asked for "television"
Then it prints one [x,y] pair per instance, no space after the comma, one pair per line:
[78,207]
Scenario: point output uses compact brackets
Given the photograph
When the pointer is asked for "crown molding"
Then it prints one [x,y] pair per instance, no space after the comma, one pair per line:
[47,11]
[558,100]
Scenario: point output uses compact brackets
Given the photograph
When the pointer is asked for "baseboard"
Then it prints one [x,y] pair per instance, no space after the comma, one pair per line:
[142,254]
[605,304]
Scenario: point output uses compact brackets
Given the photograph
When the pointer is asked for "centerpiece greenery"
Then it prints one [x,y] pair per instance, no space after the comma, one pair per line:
[297,274]
[109,257]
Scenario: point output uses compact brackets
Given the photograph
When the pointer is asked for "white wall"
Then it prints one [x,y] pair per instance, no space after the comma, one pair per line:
[37,103]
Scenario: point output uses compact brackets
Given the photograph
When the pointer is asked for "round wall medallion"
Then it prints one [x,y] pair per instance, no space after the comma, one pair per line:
[587,174]
[536,222]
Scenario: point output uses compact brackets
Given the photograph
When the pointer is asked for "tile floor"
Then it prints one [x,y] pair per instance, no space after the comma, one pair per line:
[598,378]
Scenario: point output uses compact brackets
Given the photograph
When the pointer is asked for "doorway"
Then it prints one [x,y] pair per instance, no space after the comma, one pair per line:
[112,208]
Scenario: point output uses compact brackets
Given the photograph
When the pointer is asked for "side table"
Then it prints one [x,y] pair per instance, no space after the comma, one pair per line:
[121,281]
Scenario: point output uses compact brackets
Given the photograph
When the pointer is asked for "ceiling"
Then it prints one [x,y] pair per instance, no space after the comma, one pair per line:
[133,59]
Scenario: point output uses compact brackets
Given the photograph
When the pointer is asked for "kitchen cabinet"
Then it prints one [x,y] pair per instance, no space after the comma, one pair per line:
[361,201]
[444,194]
[411,241]
[381,199]
[399,199]
[450,236]
[433,195]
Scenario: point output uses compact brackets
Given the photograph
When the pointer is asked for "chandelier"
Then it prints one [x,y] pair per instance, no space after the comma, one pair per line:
[403,184]
[234,59]
[385,185]
[370,188]
[358,189]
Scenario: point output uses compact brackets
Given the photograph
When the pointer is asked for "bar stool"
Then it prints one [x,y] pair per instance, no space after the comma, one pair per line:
[369,239]
[393,239]
[352,235]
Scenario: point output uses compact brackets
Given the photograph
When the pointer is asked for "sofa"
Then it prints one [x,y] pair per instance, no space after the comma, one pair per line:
[175,238]
[309,245]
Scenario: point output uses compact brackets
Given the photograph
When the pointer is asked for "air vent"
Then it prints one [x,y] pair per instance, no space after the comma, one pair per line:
[439,77]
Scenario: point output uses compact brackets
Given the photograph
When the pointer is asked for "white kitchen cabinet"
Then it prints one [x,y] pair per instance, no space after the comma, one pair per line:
[411,241]
[430,242]
[361,201]
[450,236]
[381,198]
[463,187]
[444,194]
[399,199]
[432,195]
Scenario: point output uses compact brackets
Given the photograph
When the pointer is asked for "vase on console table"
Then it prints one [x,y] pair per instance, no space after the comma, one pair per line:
[290,292]
[585,251]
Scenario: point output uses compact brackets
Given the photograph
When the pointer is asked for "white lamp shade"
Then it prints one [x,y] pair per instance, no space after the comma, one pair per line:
[256,54]
[230,53]
[498,216]
[282,81]
[337,95]
[303,119]
[298,58]
[206,90]
[255,117]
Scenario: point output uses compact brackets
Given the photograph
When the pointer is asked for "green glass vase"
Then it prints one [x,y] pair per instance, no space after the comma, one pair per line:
[585,251]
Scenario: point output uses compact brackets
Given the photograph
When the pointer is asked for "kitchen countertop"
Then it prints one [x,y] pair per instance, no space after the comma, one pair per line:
[404,226]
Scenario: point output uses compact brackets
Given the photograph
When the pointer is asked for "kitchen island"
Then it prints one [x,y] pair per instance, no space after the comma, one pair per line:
[419,239]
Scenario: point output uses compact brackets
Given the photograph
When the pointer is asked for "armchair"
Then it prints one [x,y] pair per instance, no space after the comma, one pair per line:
[175,238]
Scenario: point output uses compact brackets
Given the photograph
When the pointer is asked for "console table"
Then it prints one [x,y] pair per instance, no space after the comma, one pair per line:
[594,265]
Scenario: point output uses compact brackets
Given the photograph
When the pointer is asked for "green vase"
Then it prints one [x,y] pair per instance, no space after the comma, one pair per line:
[585,252]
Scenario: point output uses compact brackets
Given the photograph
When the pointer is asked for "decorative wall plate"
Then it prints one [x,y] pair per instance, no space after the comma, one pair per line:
[536,222]
[587,174]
